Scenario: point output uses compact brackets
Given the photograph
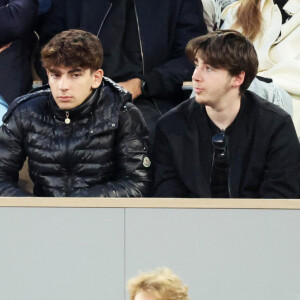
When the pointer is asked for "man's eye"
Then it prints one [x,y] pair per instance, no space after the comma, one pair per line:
[76,75]
[208,68]
[55,75]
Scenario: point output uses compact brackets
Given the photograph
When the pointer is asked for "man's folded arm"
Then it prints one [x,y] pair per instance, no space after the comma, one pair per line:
[281,178]
[12,158]
[133,166]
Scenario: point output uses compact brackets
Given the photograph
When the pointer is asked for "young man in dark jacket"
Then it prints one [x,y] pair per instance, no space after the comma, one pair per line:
[226,141]
[82,136]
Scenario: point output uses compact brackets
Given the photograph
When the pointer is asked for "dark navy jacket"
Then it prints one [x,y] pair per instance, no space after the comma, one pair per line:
[165,27]
[16,26]
[264,152]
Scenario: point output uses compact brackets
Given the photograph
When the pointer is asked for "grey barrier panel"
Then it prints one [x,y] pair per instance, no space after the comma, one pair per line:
[221,254]
[61,254]
[90,253]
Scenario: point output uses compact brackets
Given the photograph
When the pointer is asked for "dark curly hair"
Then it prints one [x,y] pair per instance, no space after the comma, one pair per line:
[73,48]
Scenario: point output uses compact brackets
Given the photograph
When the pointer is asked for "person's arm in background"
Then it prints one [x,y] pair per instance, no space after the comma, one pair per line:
[165,81]
[16,18]
[48,25]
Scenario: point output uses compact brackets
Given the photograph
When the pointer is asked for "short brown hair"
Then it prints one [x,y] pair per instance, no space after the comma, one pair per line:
[73,48]
[162,284]
[226,49]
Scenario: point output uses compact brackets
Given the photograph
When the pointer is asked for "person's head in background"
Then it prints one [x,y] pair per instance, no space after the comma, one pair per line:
[159,284]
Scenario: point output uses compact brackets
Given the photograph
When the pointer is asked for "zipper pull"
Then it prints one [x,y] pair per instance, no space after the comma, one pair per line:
[67,120]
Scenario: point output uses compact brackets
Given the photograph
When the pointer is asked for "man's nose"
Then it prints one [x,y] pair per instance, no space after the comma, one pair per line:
[197,75]
[64,83]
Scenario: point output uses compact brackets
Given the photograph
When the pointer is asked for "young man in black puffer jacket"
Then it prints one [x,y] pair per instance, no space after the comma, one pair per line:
[83,137]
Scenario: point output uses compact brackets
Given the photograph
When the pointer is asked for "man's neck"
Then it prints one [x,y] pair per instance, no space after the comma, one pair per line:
[225,113]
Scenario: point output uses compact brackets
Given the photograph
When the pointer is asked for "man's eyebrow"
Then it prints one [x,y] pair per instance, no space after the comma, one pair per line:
[53,70]
[75,70]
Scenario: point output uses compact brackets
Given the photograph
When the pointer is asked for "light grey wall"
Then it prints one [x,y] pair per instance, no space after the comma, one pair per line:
[61,254]
[220,254]
[90,253]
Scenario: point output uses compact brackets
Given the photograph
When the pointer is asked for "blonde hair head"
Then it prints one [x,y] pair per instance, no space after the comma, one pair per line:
[162,284]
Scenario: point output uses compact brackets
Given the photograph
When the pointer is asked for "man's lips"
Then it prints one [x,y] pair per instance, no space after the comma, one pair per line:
[64,98]
[198,89]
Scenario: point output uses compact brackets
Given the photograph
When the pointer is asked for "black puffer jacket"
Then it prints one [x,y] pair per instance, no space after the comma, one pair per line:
[101,153]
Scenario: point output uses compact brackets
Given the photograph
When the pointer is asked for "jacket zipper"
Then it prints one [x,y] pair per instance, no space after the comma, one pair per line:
[67,158]
[229,181]
[67,119]
[140,40]
[101,25]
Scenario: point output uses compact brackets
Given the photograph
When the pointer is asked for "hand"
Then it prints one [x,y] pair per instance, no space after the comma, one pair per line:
[133,86]
[4,47]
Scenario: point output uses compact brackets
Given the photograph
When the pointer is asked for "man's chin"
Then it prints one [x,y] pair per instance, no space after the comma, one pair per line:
[200,99]
[65,106]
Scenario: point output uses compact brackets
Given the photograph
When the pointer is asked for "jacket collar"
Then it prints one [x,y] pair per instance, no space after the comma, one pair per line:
[91,106]
[79,112]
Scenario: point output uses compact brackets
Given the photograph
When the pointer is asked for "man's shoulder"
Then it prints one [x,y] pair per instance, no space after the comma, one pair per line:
[266,118]
[265,107]
[28,101]
[36,95]
[182,112]
[113,99]
[109,86]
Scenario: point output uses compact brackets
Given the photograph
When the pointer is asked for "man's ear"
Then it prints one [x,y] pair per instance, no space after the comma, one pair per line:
[97,78]
[238,79]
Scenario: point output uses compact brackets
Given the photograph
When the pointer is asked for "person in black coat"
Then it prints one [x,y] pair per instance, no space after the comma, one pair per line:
[143,44]
[17,40]
[83,137]
[226,141]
